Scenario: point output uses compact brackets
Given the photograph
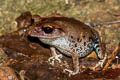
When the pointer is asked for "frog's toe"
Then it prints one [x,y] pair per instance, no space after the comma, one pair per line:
[54,58]
[100,64]
[71,72]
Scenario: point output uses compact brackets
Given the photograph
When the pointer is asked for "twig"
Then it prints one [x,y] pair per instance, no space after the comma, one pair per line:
[102,23]
[114,53]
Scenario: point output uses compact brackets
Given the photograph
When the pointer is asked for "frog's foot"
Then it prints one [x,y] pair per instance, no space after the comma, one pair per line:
[53,58]
[100,63]
[71,72]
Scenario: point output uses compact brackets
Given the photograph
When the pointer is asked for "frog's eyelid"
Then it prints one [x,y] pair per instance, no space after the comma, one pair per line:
[50,26]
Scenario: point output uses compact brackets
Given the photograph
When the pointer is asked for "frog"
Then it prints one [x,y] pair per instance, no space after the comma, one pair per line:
[70,37]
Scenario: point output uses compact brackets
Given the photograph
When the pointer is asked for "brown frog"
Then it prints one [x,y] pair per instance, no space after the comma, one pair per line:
[69,36]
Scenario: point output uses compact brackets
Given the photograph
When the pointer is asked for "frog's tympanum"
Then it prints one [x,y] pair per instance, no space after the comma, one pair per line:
[69,36]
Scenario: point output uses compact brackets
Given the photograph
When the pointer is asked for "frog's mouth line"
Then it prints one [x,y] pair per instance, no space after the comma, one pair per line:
[38,35]
[42,37]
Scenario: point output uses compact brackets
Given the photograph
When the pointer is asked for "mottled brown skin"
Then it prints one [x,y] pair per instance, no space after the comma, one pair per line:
[71,37]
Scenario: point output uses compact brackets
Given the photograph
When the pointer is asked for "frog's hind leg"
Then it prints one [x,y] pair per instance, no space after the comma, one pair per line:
[100,52]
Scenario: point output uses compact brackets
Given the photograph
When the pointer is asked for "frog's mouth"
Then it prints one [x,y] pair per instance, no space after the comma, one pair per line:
[40,33]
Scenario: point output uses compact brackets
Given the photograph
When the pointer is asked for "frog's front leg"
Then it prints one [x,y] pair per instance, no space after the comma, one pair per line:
[54,56]
[75,58]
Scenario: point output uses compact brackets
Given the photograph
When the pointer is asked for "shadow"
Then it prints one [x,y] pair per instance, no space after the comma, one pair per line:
[36,40]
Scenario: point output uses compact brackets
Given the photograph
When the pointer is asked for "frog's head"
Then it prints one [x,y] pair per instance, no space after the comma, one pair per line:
[54,27]
[46,31]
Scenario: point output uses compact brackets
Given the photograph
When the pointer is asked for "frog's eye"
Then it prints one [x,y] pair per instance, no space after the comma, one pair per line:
[48,29]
